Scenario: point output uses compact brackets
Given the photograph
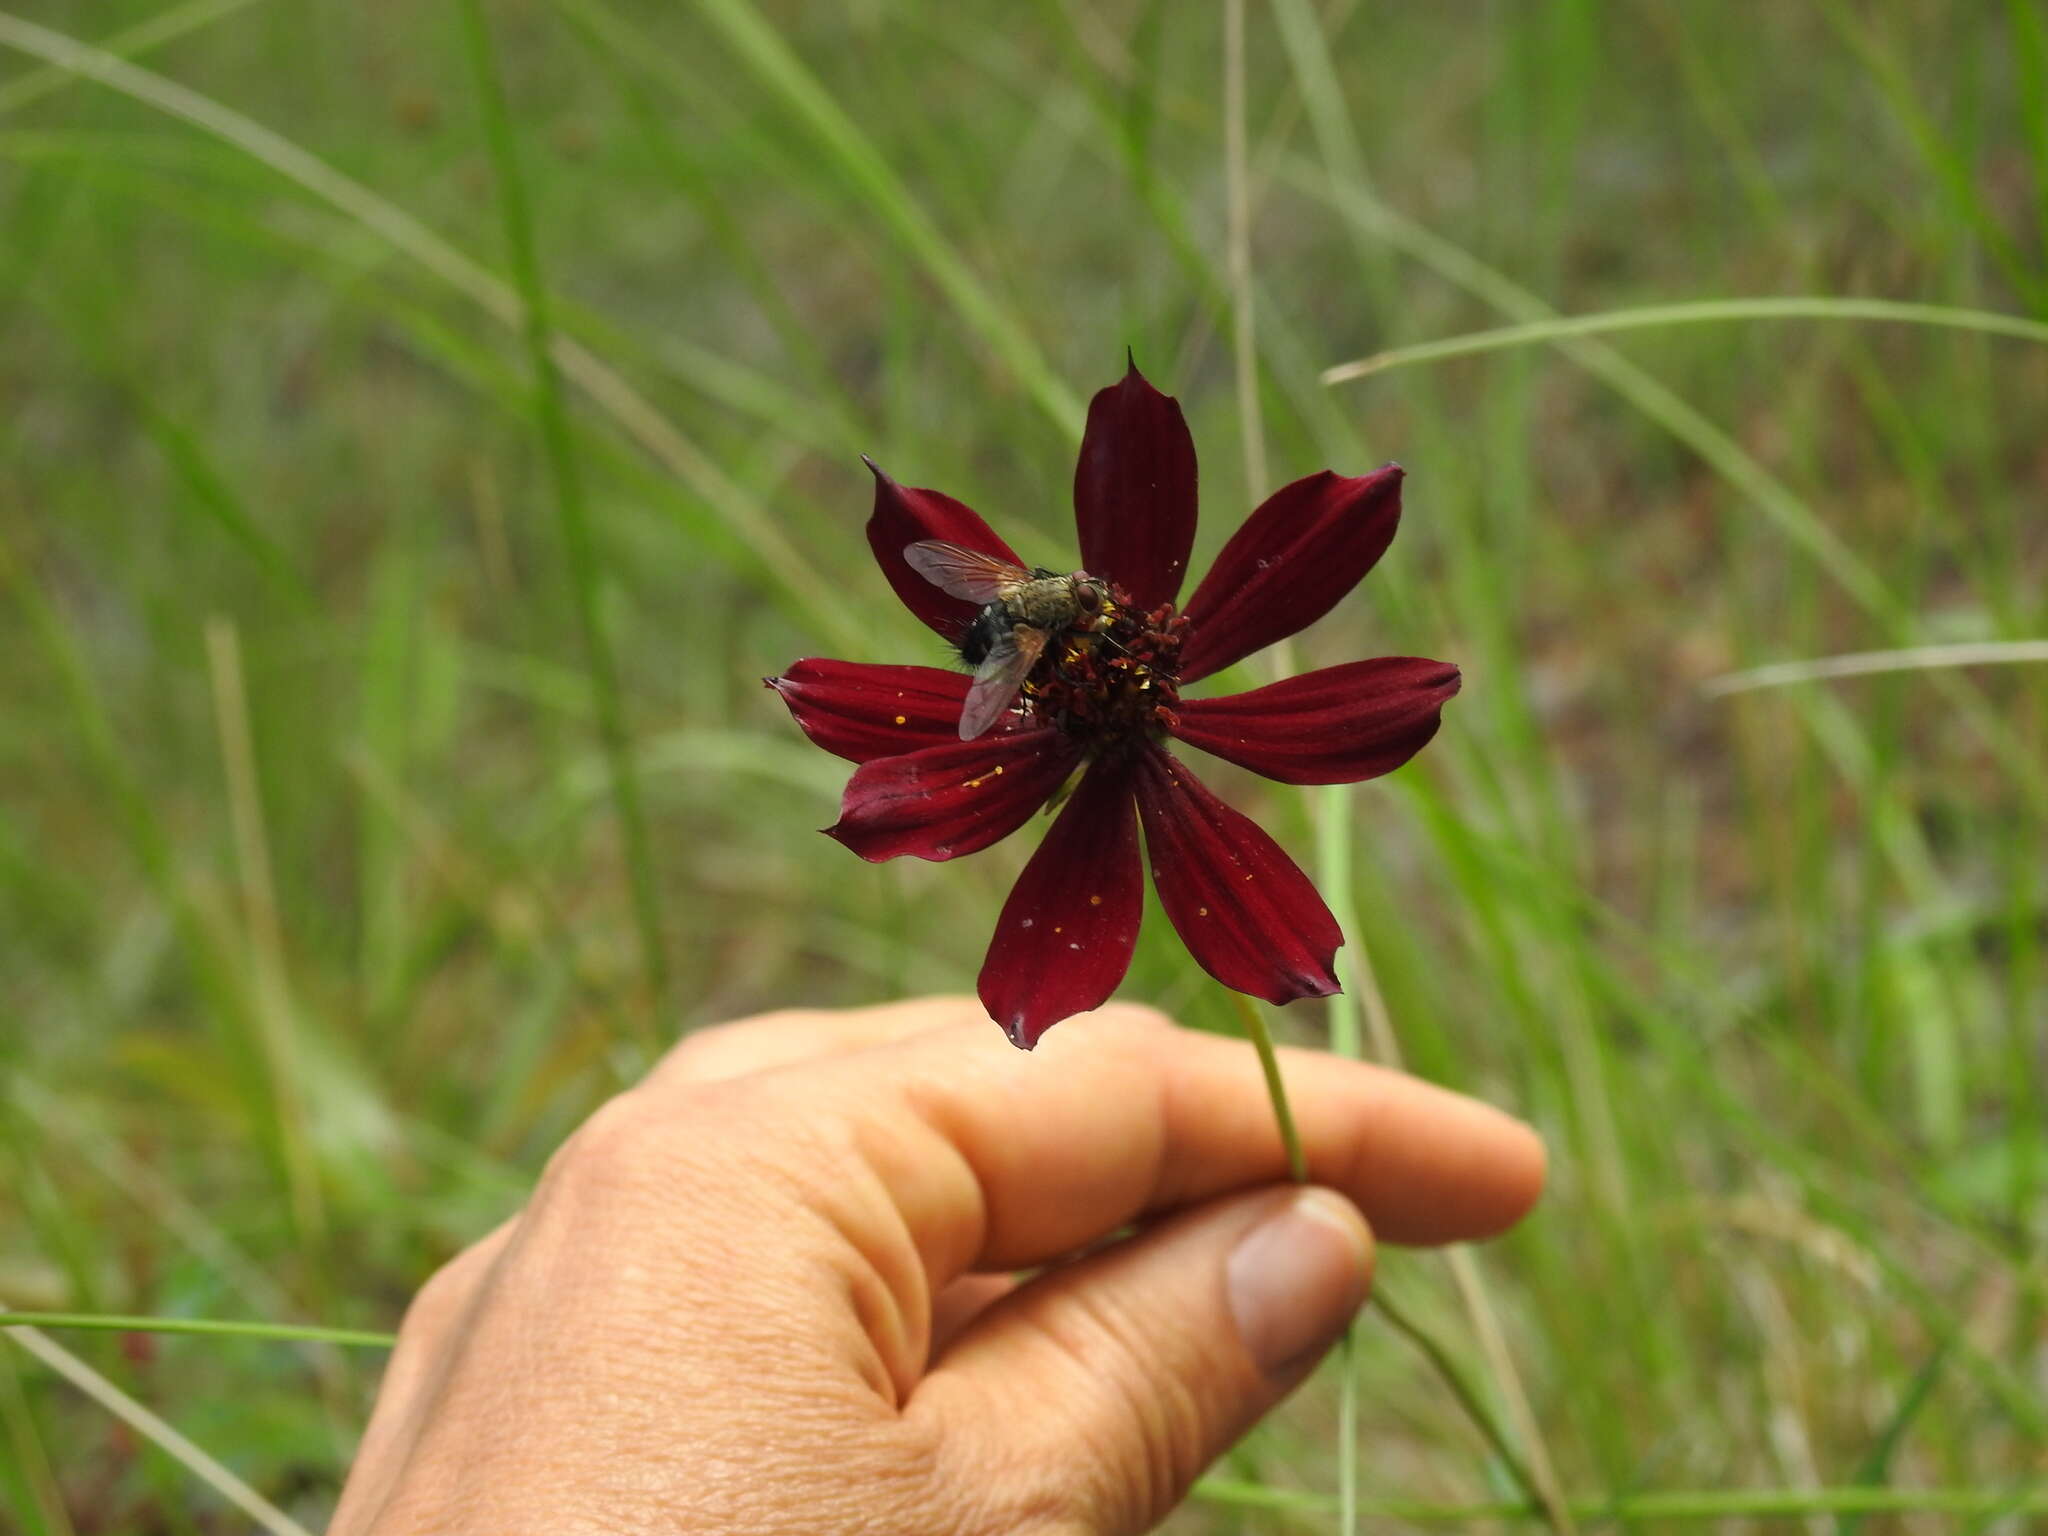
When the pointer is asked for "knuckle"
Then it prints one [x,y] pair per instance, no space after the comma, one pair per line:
[437,1303]
[606,1148]
[716,1048]
[700,1052]
[651,1144]
[431,1306]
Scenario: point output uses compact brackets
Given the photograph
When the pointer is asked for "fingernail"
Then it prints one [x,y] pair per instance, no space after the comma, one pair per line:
[1296,1279]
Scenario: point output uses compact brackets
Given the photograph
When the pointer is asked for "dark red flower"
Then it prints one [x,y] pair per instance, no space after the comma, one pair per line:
[1104,697]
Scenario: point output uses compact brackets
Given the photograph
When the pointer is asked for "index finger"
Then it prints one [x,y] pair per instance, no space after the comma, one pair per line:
[998,1160]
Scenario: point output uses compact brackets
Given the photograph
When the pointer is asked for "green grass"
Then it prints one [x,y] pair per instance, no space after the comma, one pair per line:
[353,573]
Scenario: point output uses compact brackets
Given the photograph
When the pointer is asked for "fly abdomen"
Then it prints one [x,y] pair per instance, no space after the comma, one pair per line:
[989,626]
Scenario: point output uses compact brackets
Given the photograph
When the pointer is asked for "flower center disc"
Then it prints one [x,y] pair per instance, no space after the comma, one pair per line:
[1115,686]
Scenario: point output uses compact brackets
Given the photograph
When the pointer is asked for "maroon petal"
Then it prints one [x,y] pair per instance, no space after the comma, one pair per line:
[1246,913]
[1065,937]
[1335,726]
[903,516]
[1134,490]
[949,800]
[1289,564]
[863,712]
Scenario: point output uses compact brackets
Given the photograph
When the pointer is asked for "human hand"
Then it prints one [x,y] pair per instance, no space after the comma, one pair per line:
[769,1289]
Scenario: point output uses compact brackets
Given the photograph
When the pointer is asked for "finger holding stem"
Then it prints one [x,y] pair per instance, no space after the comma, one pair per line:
[1439,1357]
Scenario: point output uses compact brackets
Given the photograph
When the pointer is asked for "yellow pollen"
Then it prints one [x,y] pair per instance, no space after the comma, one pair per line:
[999,768]
[1056,928]
[1205,911]
[1094,901]
[902,719]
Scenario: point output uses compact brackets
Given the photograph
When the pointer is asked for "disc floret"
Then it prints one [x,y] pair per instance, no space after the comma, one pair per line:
[1115,684]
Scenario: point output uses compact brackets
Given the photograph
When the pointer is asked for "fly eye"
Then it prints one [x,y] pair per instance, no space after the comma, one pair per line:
[1089,598]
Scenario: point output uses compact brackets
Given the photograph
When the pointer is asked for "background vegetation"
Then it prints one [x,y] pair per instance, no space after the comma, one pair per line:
[318,925]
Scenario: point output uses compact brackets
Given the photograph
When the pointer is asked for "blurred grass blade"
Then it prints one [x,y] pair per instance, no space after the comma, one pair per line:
[26,1472]
[160,1201]
[184,453]
[2029,27]
[585,574]
[1919,658]
[1957,177]
[1875,1470]
[147,839]
[144,37]
[1793,517]
[1693,312]
[780,562]
[1718,1504]
[207,1327]
[762,48]
[276,1025]
[1848,569]
[157,1432]
[1243,312]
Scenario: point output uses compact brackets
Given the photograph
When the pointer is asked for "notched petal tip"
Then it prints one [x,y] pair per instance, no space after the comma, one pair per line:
[1324,985]
[1019,1034]
[1309,974]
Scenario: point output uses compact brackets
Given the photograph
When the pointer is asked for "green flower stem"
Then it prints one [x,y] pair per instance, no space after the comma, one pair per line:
[1269,1063]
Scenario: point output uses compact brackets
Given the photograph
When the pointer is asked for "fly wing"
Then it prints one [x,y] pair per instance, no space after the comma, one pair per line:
[998,678]
[961,572]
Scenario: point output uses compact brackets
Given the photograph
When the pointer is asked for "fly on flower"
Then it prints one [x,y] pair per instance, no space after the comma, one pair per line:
[1021,612]
[1079,678]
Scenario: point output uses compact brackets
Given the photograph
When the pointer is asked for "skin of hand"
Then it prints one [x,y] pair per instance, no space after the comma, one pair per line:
[773,1288]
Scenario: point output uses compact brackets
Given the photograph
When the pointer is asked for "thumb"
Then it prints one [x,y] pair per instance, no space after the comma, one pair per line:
[1102,1389]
